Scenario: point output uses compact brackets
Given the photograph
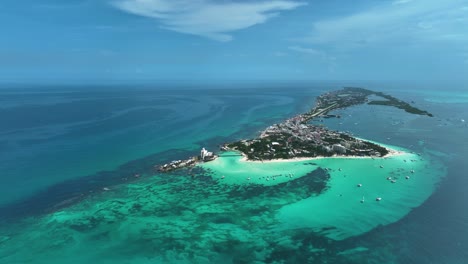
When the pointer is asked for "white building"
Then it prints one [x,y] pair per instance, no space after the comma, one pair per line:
[339,148]
[204,154]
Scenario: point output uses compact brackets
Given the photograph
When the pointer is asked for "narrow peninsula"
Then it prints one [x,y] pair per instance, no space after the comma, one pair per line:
[298,138]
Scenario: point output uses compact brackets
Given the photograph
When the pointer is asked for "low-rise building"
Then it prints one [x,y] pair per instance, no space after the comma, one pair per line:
[338,148]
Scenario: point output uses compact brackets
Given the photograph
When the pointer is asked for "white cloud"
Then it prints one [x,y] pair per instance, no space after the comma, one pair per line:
[323,56]
[309,51]
[207,18]
[400,22]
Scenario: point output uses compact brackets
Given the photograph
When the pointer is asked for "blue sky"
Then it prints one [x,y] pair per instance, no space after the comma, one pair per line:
[100,40]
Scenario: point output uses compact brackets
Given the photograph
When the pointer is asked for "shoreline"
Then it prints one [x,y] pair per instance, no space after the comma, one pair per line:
[298,135]
[391,153]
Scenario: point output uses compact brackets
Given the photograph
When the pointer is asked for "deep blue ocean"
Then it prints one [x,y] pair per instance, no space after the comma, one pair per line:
[61,145]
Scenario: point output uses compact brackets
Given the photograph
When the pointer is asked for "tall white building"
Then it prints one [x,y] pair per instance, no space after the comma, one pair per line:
[205,154]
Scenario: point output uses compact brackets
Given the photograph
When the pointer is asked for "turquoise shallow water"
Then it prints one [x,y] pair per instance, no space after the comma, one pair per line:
[338,212]
[65,216]
[176,218]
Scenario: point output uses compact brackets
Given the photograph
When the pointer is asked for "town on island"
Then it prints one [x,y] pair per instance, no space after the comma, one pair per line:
[296,137]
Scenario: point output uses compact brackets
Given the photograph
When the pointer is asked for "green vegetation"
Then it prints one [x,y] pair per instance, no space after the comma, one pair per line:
[402,105]
[391,101]
[286,146]
[297,137]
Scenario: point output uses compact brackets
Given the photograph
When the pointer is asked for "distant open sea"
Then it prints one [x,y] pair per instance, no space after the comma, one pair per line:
[70,153]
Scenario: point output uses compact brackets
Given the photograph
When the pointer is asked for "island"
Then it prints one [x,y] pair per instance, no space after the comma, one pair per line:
[297,137]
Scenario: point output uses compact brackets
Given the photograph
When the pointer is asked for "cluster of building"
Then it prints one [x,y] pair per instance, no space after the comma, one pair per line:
[337,99]
[177,164]
[205,155]
[295,137]
[297,129]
